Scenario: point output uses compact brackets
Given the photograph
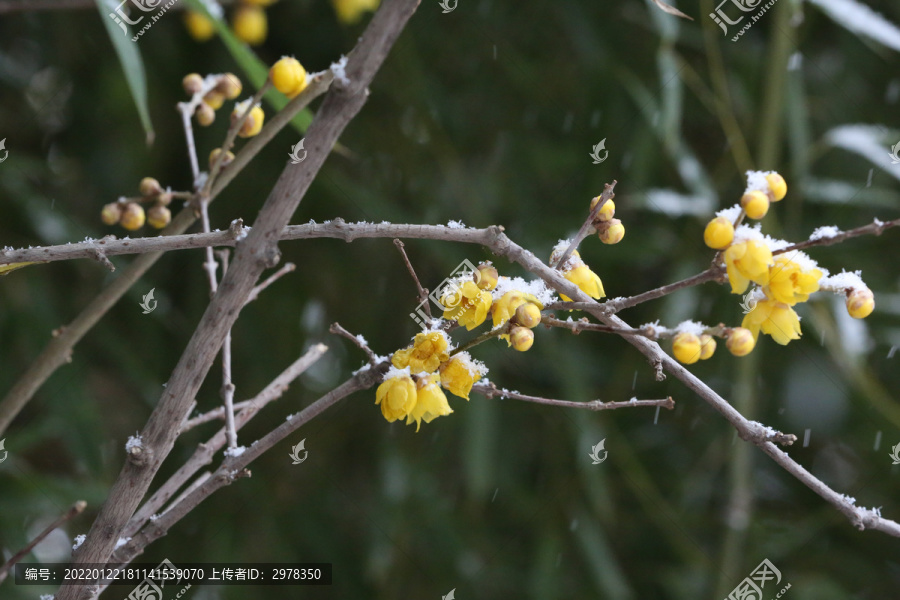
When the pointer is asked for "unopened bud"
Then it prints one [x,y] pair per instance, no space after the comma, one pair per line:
[528,315]
[521,338]
[150,187]
[740,341]
[486,277]
[192,83]
[158,216]
[111,213]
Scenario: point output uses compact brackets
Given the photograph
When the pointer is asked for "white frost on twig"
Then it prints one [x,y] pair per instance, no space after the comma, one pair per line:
[79,540]
[826,231]
[235,452]
[134,441]
[339,69]
[456,225]
[122,541]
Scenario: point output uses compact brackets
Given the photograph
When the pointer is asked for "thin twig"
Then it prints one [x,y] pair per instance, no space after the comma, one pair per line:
[234,467]
[227,391]
[488,335]
[284,270]
[59,350]
[217,413]
[75,510]
[423,293]
[588,225]
[614,306]
[205,451]
[489,390]
[228,144]
[357,340]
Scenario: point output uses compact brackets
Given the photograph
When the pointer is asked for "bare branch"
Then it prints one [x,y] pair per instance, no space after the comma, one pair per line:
[588,226]
[235,466]
[75,510]
[489,390]
[254,293]
[874,228]
[204,453]
[257,252]
[59,350]
[423,293]
[357,340]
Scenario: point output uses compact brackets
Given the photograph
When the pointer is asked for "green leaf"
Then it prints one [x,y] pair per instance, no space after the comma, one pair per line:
[255,70]
[132,64]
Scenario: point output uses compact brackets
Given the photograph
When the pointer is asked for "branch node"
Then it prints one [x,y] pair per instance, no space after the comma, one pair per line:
[101,258]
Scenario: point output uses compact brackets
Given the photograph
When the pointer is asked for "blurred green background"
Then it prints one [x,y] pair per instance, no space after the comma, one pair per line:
[486,115]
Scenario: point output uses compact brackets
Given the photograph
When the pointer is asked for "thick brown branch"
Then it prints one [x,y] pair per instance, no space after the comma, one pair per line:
[257,252]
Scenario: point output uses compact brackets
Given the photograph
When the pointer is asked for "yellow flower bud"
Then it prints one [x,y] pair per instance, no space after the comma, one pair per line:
[586,280]
[164,199]
[199,27]
[253,124]
[205,114]
[150,187]
[288,76]
[686,348]
[755,204]
[607,212]
[229,86]
[192,83]
[250,24]
[707,346]
[132,217]
[397,397]
[111,213]
[486,277]
[777,185]
[719,233]
[350,11]
[528,315]
[521,338]
[613,232]
[158,216]
[740,341]
[860,303]
[229,156]
[214,99]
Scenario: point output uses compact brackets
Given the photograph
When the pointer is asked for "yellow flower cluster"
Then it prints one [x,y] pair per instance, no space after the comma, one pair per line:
[248,21]
[412,388]
[784,278]
[131,215]
[219,88]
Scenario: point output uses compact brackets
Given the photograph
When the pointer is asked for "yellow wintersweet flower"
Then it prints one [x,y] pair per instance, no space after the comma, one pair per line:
[469,305]
[459,374]
[350,11]
[428,351]
[586,280]
[776,319]
[789,282]
[431,402]
[397,396]
[504,308]
[747,261]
